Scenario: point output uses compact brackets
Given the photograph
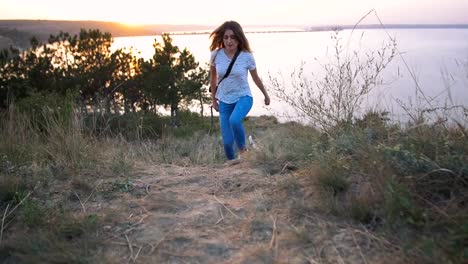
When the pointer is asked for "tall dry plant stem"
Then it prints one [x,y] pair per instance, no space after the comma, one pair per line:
[338,95]
[3,223]
[7,214]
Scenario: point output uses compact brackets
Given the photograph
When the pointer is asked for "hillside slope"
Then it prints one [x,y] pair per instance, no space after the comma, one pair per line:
[19,32]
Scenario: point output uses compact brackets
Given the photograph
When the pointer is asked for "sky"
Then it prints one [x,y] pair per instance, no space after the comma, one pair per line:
[246,12]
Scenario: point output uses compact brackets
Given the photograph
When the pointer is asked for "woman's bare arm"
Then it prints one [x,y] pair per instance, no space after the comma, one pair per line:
[213,83]
[259,84]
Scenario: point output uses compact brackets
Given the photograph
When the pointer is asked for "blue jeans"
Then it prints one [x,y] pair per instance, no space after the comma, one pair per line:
[231,117]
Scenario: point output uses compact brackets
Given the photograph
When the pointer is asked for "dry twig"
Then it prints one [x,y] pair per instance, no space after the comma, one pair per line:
[11,211]
[93,191]
[359,247]
[372,236]
[448,171]
[226,207]
[22,200]
[222,216]
[3,222]
[153,248]
[137,254]
[273,241]
[82,205]
[436,208]
[340,259]
[273,236]
[285,167]
[130,246]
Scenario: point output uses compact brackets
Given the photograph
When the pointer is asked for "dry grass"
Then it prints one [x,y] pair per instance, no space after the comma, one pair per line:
[172,200]
[404,183]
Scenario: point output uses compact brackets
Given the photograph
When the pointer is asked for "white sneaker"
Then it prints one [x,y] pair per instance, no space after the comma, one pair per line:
[252,142]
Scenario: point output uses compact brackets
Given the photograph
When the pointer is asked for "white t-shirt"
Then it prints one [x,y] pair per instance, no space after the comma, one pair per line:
[236,85]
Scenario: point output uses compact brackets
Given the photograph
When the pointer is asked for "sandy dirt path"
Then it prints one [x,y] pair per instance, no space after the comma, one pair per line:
[230,214]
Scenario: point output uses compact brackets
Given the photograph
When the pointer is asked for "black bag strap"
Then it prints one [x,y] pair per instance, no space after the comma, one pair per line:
[230,66]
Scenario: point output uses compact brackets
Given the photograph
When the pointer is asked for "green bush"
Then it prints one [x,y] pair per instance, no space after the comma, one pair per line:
[145,125]
[405,161]
[10,186]
[65,240]
[399,205]
[361,211]
[336,183]
[33,213]
[131,126]
[42,108]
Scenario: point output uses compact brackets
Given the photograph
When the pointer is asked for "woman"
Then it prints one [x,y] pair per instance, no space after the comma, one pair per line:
[232,97]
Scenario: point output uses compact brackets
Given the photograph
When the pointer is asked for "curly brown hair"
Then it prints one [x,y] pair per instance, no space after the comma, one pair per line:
[218,34]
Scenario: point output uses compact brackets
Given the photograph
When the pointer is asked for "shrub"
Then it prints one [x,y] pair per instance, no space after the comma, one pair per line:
[131,126]
[338,95]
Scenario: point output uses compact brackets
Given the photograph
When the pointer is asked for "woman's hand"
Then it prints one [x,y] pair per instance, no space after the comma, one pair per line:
[260,86]
[216,105]
[267,100]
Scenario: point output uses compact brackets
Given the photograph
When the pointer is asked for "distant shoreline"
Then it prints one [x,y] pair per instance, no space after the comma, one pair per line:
[332,28]
[19,32]
[404,26]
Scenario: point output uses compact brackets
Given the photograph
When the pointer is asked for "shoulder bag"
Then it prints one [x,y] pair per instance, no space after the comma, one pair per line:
[228,71]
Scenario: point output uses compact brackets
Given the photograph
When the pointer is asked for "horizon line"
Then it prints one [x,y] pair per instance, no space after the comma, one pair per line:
[246,25]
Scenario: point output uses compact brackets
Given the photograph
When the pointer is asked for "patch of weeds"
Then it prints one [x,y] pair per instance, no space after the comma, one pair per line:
[406,161]
[361,212]
[303,235]
[64,240]
[429,247]
[10,187]
[333,204]
[123,186]
[201,148]
[335,183]
[399,205]
[260,231]
[58,171]
[33,213]
[121,165]
[291,186]
[92,221]
[299,208]
[76,228]
[81,185]
[456,245]
[284,144]
[6,166]
[71,230]
[348,143]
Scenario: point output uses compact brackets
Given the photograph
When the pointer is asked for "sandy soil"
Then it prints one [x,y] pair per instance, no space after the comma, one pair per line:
[229,214]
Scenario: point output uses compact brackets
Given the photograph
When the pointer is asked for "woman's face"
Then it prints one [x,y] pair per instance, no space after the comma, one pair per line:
[230,41]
